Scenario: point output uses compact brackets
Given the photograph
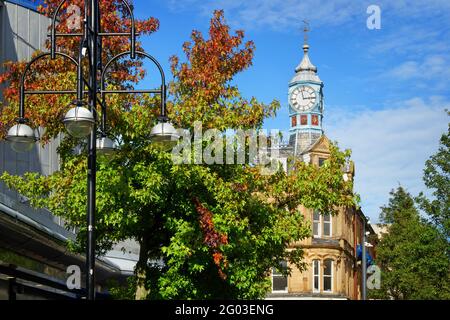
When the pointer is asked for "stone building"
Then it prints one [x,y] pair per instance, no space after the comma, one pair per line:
[333,271]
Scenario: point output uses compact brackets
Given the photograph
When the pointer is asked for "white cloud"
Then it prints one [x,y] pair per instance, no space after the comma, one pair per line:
[407,70]
[390,146]
[431,67]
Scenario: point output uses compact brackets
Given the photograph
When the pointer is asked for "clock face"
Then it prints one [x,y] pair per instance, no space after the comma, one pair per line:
[303,98]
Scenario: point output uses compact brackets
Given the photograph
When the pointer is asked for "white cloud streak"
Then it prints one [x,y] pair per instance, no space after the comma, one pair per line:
[284,14]
[430,73]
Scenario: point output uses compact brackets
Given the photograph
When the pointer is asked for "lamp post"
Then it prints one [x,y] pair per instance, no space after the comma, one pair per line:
[81,120]
[364,259]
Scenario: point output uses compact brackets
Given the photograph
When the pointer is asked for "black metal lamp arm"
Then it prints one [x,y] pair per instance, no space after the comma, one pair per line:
[24,74]
[161,91]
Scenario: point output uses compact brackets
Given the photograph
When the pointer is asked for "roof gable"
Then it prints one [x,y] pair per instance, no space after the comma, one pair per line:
[322,145]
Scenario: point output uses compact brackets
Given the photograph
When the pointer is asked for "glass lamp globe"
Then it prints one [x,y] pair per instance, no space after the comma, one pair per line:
[21,137]
[164,136]
[79,121]
[106,146]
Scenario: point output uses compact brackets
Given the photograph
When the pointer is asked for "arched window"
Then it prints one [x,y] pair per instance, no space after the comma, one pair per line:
[328,275]
[316,275]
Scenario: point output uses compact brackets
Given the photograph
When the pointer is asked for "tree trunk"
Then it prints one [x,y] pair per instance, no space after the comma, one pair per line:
[141,271]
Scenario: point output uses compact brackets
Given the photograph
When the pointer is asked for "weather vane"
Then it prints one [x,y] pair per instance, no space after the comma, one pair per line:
[306,29]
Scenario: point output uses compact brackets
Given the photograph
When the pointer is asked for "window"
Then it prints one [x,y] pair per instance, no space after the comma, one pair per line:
[303,119]
[294,121]
[326,225]
[315,120]
[322,225]
[328,275]
[316,224]
[279,281]
[321,161]
[316,276]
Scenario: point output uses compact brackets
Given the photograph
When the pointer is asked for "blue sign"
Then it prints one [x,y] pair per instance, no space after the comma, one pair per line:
[369,259]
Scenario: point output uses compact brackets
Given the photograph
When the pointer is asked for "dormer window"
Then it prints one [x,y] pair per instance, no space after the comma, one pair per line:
[321,161]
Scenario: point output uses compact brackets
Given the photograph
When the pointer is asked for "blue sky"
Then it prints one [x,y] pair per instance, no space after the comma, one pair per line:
[385,90]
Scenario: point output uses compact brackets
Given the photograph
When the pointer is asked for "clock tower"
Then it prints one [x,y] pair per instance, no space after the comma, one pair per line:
[305,105]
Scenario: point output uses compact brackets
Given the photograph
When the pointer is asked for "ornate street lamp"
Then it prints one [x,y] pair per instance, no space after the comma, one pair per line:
[81,120]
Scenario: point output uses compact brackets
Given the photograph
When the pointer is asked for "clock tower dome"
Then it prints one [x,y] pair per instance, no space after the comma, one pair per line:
[305,105]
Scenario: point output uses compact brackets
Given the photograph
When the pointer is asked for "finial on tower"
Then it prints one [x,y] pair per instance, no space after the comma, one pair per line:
[306,65]
[305,71]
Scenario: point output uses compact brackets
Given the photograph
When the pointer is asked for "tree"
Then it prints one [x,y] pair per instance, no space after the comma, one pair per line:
[205,231]
[437,178]
[412,255]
